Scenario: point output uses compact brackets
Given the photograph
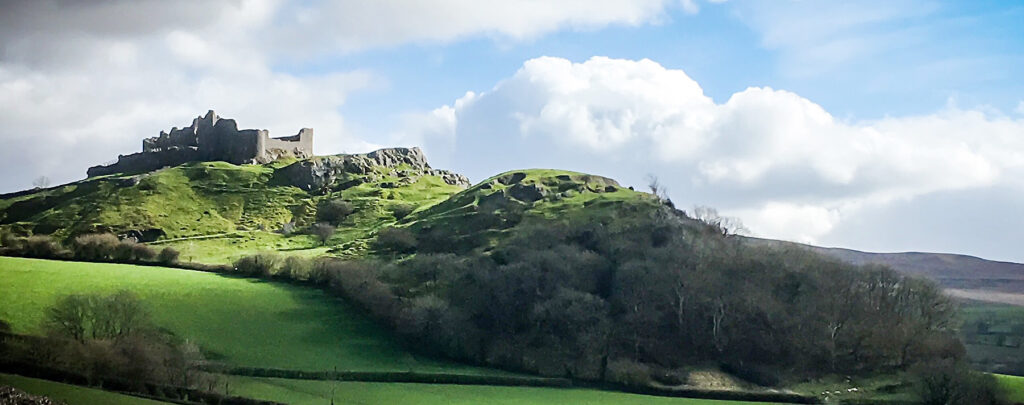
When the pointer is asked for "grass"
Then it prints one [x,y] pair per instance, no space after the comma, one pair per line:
[243,322]
[218,198]
[300,392]
[883,387]
[232,246]
[994,336]
[1013,387]
[71,394]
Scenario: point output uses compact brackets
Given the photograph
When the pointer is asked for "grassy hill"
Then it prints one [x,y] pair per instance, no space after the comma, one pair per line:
[242,322]
[215,212]
[949,270]
[560,273]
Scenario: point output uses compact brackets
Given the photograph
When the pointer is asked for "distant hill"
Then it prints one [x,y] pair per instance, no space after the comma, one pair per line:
[952,271]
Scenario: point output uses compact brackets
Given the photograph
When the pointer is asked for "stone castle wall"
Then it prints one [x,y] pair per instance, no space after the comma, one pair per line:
[210,138]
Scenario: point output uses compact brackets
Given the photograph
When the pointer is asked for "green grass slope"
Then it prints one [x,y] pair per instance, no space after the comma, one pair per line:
[299,392]
[487,211]
[71,394]
[215,212]
[1013,386]
[242,322]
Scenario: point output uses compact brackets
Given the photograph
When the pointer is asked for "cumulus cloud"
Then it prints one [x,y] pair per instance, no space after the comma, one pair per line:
[83,81]
[781,162]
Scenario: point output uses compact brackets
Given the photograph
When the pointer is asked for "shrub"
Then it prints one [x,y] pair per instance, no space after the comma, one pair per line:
[10,240]
[947,382]
[629,373]
[398,240]
[297,268]
[334,211]
[42,246]
[322,231]
[124,251]
[402,210]
[168,255]
[143,252]
[101,246]
[266,264]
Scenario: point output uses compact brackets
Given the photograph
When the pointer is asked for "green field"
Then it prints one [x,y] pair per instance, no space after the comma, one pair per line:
[240,321]
[1013,386]
[994,336]
[72,395]
[300,392]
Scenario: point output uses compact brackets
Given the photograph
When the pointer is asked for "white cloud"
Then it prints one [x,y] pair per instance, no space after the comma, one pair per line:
[781,161]
[798,222]
[83,81]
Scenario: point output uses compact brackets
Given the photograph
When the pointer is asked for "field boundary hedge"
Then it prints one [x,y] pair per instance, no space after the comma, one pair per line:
[396,377]
[165,393]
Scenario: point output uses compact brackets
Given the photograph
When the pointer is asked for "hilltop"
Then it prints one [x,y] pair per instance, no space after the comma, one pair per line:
[209,208]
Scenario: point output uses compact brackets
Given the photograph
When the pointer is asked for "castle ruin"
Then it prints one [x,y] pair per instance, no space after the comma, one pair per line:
[210,138]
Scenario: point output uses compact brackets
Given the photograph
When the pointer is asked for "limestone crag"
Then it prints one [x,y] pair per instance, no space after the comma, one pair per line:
[210,138]
[325,171]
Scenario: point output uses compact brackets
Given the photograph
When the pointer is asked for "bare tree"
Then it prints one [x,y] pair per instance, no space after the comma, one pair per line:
[725,225]
[657,188]
[41,182]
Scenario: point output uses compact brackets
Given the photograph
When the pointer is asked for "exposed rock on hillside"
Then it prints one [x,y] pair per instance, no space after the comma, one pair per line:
[327,171]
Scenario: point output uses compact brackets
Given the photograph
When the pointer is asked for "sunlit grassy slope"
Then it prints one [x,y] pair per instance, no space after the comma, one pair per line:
[299,392]
[215,212]
[239,321]
[70,394]
[1013,386]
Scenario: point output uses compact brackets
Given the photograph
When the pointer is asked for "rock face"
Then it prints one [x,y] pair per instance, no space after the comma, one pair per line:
[210,138]
[321,172]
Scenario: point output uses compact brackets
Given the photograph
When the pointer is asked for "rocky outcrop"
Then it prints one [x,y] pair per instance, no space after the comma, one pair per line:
[324,171]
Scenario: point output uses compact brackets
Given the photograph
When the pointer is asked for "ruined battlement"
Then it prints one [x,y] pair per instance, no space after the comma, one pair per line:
[210,138]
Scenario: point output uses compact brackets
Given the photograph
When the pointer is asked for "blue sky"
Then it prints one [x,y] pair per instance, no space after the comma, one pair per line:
[879,125]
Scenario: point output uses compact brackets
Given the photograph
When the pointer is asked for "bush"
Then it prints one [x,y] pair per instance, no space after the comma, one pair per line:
[143,252]
[402,210]
[168,255]
[101,246]
[397,240]
[334,211]
[41,246]
[629,373]
[297,268]
[124,251]
[322,231]
[10,240]
[947,382]
[265,264]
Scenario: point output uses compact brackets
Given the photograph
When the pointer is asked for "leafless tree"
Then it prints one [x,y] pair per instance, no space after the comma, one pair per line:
[41,182]
[726,225]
